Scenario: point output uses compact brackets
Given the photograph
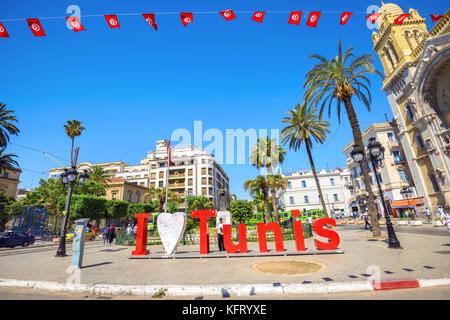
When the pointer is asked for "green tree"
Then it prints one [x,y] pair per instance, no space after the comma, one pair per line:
[200,203]
[73,129]
[268,154]
[159,195]
[172,207]
[339,79]
[258,202]
[241,210]
[256,186]
[303,125]
[276,184]
[6,125]
[99,175]
[5,210]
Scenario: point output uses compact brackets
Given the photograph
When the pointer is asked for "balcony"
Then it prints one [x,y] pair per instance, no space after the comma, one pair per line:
[177,185]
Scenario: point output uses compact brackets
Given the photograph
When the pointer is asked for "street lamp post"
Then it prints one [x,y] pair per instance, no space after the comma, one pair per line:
[376,153]
[406,192]
[69,177]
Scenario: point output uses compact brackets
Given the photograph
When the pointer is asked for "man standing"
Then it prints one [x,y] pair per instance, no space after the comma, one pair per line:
[428,214]
[220,235]
[310,221]
[366,220]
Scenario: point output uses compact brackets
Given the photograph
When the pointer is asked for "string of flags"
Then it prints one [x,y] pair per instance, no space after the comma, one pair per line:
[295,18]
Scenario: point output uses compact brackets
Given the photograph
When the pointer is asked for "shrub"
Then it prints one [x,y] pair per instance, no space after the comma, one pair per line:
[241,210]
[124,239]
[116,208]
[141,208]
[84,206]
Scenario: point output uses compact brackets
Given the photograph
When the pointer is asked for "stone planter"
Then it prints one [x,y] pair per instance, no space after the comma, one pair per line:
[55,240]
[359,222]
[402,223]
[415,223]
[437,223]
[351,222]
[343,221]
[382,223]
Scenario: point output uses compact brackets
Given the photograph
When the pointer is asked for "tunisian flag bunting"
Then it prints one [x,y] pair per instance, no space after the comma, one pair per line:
[150,18]
[186,18]
[401,18]
[112,21]
[345,16]
[313,18]
[295,17]
[436,17]
[3,32]
[228,15]
[36,28]
[74,22]
[373,17]
[258,16]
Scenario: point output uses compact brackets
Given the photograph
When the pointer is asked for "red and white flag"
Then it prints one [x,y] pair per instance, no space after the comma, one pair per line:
[228,15]
[313,18]
[169,154]
[295,17]
[112,21]
[75,24]
[345,16]
[436,17]
[401,18]
[186,18]
[36,28]
[3,32]
[373,17]
[150,18]
[258,16]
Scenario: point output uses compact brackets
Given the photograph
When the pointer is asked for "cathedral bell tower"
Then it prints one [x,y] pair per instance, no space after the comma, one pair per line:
[396,44]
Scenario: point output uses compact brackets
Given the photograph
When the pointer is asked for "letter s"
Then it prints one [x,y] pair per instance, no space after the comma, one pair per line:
[330,234]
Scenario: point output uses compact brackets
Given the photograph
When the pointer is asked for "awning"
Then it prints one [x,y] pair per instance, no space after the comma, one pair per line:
[404,204]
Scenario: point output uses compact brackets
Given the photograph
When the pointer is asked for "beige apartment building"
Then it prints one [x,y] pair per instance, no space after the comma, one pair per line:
[194,172]
[416,64]
[9,181]
[393,174]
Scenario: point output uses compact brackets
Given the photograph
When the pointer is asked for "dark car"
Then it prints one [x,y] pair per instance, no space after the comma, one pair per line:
[13,239]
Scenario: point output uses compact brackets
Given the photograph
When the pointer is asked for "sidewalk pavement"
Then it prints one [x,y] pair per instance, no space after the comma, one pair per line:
[107,268]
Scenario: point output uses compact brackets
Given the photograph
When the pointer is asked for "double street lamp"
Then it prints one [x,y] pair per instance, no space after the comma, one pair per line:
[406,192]
[69,176]
[376,154]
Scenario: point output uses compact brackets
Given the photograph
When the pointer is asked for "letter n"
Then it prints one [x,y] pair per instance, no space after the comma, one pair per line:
[275,227]
[228,242]
[141,234]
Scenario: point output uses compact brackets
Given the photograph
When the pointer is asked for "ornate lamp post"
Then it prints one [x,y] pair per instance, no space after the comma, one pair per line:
[69,177]
[376,153]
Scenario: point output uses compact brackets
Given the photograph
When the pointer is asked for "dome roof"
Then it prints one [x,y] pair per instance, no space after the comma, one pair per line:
[391,8]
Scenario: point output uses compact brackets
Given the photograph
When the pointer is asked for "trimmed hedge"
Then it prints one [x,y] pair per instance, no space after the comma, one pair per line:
[141,208]
[84,206]
[116,208]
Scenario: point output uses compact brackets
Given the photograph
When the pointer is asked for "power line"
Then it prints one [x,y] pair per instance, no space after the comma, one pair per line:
[40,151]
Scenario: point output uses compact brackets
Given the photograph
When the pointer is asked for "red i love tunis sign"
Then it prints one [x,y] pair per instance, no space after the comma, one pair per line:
[241,246]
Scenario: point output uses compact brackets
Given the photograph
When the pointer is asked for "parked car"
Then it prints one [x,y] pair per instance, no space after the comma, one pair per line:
[90,235]
[11,239]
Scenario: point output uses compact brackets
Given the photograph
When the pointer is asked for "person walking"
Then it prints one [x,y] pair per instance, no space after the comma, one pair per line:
[220,235]
[95,232]
[111,233]
[445,217]
[366,220]
[129,229]
[310,222]
[106,235]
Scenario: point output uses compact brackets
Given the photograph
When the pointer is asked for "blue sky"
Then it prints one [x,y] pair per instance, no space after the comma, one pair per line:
[133,86]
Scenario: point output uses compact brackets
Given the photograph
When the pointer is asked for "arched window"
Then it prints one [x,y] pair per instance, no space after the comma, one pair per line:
[434,183]
[410,112]
[388,55]
[419,141]
[392,50]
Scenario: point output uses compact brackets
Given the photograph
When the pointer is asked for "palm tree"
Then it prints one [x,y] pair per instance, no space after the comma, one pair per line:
[339,80]
[256,186]
[159,195]
[202,203]
[258,201]
[7,162]
[276,183]
[6,126]
[267,153]
[99,175]
[73,129]
[303,125]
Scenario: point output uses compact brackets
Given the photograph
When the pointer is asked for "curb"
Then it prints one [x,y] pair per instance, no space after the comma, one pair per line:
[226,290]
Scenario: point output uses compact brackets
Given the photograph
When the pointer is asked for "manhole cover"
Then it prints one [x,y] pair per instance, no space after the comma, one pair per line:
[289,267]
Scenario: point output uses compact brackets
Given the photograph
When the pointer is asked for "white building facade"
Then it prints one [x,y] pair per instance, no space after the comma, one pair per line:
[302,193]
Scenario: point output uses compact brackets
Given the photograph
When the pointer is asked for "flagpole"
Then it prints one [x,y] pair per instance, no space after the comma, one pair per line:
[167,177]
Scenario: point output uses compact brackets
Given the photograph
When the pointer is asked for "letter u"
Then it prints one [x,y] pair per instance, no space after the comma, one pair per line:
[228,242]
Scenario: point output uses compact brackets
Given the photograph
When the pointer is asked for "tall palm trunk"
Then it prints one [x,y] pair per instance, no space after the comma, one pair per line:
[313,168]
[266,205]
[357,136]
[71,152]
[273,196]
